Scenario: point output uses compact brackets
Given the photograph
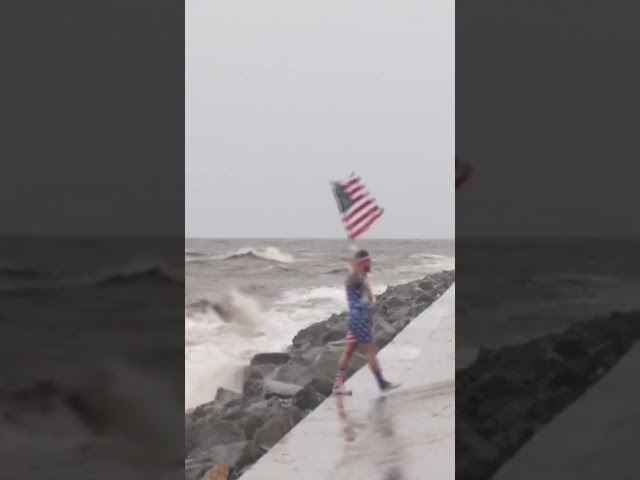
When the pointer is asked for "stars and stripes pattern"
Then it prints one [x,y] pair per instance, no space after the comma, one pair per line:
[350,337]
[357,207]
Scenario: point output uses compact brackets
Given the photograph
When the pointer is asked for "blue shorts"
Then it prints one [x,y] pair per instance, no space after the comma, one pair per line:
[359,328]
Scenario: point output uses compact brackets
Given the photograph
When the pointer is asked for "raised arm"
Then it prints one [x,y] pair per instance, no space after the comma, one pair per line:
[354,277]
[368,291]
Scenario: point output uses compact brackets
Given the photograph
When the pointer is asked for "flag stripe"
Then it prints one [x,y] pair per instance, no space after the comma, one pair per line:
[354,190]
[367,225]
[358,209]
[351,182]
[368,214]
[359,197]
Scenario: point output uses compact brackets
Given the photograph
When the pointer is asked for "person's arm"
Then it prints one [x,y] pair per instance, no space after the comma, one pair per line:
[368,291]
[354,278]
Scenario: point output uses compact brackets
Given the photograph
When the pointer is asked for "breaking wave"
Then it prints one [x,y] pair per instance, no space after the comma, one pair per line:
[12,279]
[232,308]
[335,271]
[272,254]
[307,297]
[154,273]
[109,415]
[22,273]
[268,254]
[220,336]
[189,253]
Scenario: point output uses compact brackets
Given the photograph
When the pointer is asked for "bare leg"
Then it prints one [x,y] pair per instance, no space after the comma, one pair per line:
[374,365]
[372,360]
[349,350]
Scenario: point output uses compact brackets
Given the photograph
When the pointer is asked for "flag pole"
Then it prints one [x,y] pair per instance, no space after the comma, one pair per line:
[351,242]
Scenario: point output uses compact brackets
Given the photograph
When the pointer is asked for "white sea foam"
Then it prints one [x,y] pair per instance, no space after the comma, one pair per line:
[309,296]
[225,328]
[269,253]
[125,399]
[217,348]
[272,254]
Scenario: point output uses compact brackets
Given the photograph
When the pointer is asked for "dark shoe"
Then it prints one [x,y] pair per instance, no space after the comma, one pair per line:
[386,386]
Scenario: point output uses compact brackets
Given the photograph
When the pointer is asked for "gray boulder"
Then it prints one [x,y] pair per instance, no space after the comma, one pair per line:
[382,339]
[207,435]
[253,387]
[236,454]
[322,386]
[274,388]
[475,455]
[230,405]
[293,373]
[383,332]
[273,430]
[253,378]
[204,412]
[280,389]
[311,335]
[251,423]
[334,334]
[326,365]
[307,398]
[270,358]
[392,302]
[224,396]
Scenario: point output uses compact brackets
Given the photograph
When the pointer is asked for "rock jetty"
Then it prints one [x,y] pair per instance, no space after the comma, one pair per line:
[508,394]
[281,388]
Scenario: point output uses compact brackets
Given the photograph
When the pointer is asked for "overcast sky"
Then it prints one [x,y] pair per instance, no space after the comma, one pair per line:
[282,97]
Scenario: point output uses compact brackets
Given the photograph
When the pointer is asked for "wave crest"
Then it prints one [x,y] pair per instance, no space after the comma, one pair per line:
[272,254]
[118,399]
[16,279]
[233,307]
[12,273]
[154,273]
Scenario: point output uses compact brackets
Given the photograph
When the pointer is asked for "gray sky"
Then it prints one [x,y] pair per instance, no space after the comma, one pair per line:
[282,97]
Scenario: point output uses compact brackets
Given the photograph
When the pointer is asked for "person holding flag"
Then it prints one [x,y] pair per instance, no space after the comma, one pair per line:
[358,211]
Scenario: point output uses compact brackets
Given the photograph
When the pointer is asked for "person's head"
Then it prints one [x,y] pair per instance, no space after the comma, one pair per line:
[362,261]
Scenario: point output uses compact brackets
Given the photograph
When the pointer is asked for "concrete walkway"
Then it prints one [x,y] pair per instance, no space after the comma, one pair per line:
[598,437]
[407,434]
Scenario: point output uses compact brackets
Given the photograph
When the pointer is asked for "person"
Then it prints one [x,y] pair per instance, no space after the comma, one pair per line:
[359,298]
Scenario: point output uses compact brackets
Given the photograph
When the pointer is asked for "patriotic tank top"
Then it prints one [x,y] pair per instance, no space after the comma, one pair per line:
[355,294]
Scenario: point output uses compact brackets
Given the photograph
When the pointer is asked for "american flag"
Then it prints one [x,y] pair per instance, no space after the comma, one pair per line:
[357,207]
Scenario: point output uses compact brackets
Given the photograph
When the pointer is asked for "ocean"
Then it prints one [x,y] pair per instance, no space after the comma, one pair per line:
[91,357]
[510,291]
[248,296]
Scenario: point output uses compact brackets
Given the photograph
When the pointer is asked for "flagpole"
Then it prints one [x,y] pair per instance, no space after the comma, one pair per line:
[351,242]
[353,248]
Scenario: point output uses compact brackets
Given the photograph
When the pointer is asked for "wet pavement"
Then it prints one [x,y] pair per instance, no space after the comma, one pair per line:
[405,434]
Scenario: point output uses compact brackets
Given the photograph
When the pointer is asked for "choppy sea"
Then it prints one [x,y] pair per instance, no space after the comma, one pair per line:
[248,296]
